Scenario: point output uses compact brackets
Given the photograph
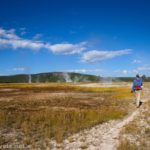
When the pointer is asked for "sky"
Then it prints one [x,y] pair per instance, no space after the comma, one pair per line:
[100,37]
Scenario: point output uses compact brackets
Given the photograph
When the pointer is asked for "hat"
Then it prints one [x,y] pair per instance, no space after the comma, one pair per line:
[138,76]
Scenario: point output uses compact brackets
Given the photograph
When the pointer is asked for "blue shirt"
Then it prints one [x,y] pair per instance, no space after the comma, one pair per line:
[137,82]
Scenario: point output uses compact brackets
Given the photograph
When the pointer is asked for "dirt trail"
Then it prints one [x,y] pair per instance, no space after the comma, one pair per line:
[100,137]
[110,139]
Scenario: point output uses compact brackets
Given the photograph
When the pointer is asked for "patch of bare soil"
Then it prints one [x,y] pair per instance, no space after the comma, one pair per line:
[105,84]
[8,90]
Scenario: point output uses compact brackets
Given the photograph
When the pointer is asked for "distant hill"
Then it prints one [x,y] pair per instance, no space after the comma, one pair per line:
[49,77]
[128,79]
[61,77]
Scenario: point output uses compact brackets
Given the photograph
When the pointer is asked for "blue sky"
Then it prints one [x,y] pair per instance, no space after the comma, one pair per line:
[102,37]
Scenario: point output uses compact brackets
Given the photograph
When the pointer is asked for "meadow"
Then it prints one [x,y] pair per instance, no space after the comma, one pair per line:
[35,112]
[136,134]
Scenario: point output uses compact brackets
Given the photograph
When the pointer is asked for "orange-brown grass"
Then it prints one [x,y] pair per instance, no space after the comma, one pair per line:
[127,145]
[58,110]
[58,86]
[136,134]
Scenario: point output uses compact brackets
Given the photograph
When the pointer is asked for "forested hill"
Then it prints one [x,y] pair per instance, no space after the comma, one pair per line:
[49,77]
[61,77]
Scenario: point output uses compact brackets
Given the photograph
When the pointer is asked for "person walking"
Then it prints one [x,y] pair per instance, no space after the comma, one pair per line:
[137,88]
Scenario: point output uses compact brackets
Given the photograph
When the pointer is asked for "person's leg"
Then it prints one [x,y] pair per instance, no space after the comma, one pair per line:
[138,98]
[135,97]
[140,95]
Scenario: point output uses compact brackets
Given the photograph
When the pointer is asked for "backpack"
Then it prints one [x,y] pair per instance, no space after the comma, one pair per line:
[137,84]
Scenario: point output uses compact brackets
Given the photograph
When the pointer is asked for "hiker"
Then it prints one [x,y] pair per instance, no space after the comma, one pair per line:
[137,88]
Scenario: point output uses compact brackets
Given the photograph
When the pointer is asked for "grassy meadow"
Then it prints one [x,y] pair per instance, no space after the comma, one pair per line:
[136,134]
[35,112]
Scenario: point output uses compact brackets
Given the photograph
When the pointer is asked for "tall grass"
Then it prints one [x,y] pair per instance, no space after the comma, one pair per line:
[136,134]
[41,115]
[57,124]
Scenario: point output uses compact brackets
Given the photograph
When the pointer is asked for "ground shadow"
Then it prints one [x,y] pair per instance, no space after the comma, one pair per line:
[140,104]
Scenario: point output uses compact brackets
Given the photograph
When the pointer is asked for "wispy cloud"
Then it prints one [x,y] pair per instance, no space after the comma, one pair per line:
[95,55]
[85,70]
[140,70]
[23,31]
[136,61]
[8,38]
[67,48]
[123,72]
[37,36]
[8,34]
[20,69]
[144,68]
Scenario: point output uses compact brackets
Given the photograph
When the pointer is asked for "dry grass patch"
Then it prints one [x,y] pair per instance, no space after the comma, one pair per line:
[58,110]
[136,135]
[127,145]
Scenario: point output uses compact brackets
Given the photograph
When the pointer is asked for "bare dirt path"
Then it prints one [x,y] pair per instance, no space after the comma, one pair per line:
[100,137]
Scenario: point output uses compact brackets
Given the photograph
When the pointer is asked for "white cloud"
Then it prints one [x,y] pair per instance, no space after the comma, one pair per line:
[125,71]
[20,69]
[8,38]
[138,70]
[144,68]
[67,48]
[37,36]
[20,43]
[84,70]
[95,55]
[135,61]
[8,34]
[134,71]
